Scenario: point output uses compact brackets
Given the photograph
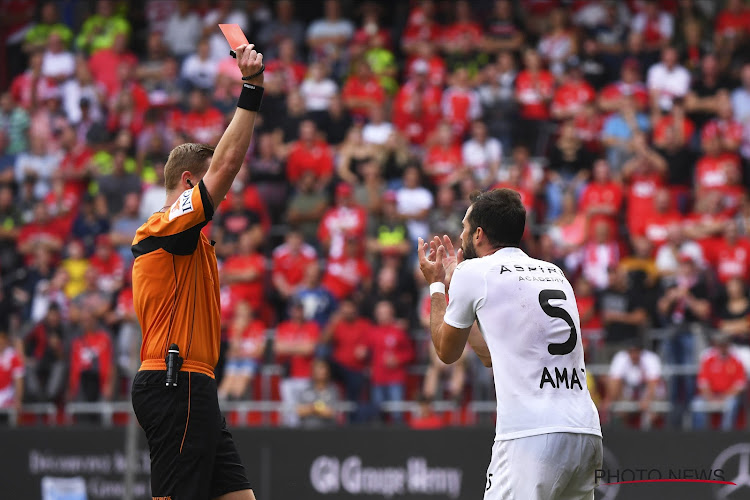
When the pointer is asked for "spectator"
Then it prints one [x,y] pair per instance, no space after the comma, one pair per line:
[497,98]
[602,199]
[623,313]
[317,402]
[91,364]
[337,121]
[198,70]
[222,13]
[414,202]
[619,130]
[700,101]
[309,154]
[345,220]
[92,221]
[445,218]
[721,380]
[347,335]
[290,261]
[391,351]
[282,26]
[317,302]
[389,236]
[558,43]
[80,89]
[482,154]
[654,25]
[684,306]
[629,86]
[667,80]
[182,31]
[100,30]
[377,130]
[57,63]
[354,153]
[318,89]
[327,37]
[460,103]
[348,273]
[232,222]
[574,92]
[244,272]
[426,418]
[306,207]
[38,36]
[534,91]
[643,174]
[116,185]
[504,31]
[741,96]
[11,373]
[294,345]
[44,349]
[734,313]
[635,374]
[247,342]
[362,90]
[676,246]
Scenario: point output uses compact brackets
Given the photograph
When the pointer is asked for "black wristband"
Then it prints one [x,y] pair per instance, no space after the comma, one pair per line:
[261,70]
[250,97]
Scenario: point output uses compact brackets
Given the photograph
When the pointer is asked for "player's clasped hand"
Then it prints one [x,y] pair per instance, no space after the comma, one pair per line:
[250,62]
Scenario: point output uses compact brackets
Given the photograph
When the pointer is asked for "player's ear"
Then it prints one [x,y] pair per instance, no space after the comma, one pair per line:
[186,179]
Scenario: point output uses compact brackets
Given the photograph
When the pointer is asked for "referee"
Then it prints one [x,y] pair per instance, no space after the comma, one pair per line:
[176,297]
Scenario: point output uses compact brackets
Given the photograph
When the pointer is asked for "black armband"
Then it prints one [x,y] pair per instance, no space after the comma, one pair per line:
[250,97]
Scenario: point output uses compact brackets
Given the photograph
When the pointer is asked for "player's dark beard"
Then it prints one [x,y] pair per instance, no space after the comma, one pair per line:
[470,252]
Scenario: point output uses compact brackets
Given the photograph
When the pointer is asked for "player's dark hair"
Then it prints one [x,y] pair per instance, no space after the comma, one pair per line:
[500,214]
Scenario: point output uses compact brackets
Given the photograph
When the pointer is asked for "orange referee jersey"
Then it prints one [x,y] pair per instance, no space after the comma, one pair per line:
[176,285]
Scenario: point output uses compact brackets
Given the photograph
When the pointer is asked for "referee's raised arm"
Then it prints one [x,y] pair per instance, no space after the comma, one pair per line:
[232,147]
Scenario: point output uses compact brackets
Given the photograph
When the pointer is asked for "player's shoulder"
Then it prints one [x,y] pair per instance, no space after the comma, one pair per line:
[473,266]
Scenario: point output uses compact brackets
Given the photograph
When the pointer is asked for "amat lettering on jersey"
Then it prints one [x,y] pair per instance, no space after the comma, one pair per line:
[183,205]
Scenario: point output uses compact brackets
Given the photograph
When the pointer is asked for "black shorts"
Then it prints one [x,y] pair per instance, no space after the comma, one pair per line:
[193,456]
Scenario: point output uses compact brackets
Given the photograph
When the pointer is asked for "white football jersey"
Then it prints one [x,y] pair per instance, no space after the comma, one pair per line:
[528,316]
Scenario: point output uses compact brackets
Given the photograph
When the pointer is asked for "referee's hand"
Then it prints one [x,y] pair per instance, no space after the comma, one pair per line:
[250,62]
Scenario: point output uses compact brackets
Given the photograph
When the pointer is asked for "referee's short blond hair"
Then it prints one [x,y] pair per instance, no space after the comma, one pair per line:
[190,157]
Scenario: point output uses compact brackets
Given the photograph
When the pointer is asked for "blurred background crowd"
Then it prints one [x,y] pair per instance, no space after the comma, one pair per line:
[625,127]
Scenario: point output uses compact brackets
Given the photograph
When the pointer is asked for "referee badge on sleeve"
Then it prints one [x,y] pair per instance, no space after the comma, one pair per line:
[183,205]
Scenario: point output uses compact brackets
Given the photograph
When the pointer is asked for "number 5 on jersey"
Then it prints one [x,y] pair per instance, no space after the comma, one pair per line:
[558,312]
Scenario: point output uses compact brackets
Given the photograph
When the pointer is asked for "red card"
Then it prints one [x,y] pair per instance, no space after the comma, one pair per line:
[234,35]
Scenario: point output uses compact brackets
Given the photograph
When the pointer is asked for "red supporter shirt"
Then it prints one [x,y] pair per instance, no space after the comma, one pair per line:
[389,341]
[731,260]
[713,172]
[442,161]
[251,339]
[250,291]
[340,222]
[348,338]
[369,89]
[460,106]
[11,369]
[665,122]
[458,31]
[64,206]
[533,91]
[103,65]
[316,158]
[656,225]
[609,194]
[21,88]
[416,127]
[344,275]
[89,350]
[203,126]
[570,97]
[432,98]
[291,266]
[732,24]
[720,374]
[34,231]
[435,69]
[300,366]
[586,304]
[109,269]
[291,74]
[642,189]
[125,301]
[75,162]
[621,89]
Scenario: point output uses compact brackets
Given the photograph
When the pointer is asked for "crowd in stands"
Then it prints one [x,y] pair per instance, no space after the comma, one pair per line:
[624,126]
